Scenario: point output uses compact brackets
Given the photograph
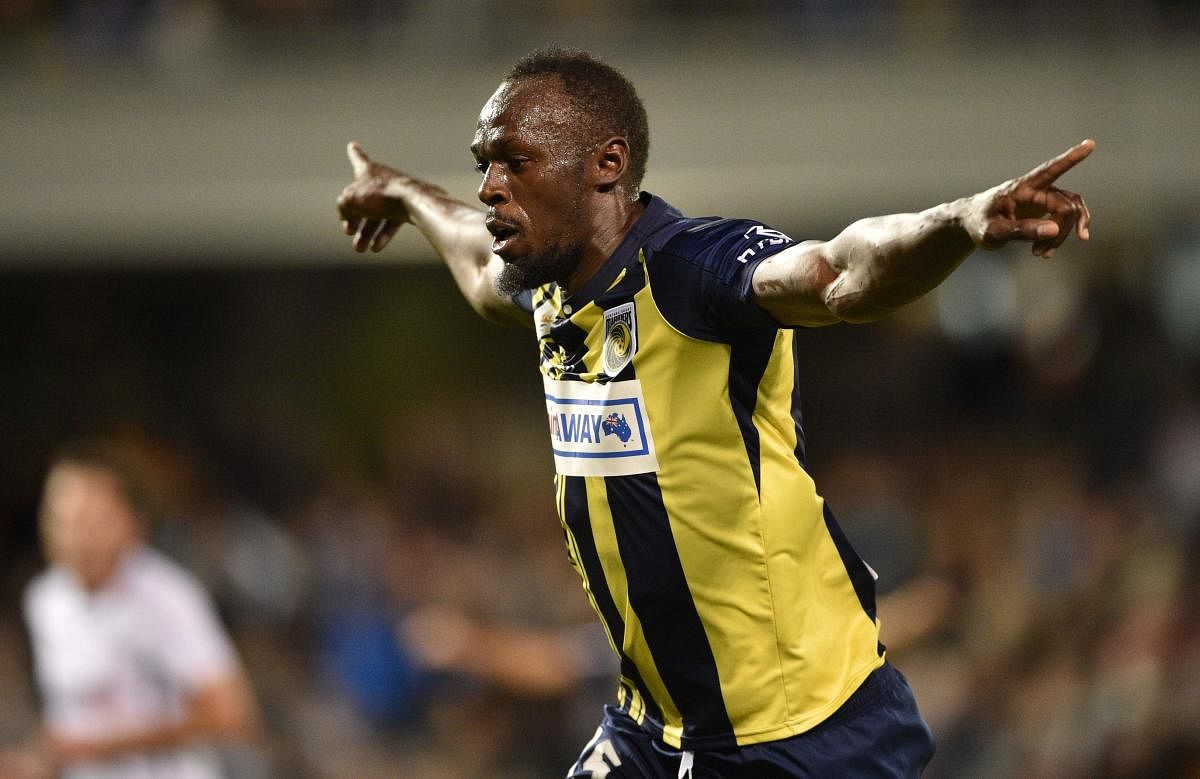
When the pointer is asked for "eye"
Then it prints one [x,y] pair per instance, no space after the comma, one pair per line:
[481,166]
[516,163]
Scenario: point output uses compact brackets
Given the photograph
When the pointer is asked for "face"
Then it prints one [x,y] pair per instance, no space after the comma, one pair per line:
[534,183]
[87,523]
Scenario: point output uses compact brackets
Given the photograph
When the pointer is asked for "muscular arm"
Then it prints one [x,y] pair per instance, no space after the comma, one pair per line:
[381,199]
[877,265]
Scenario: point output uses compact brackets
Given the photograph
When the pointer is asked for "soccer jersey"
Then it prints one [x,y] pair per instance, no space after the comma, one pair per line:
[738,610]
[124,659]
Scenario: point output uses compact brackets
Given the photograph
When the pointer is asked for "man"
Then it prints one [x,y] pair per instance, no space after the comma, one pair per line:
[135,671]
[744,622]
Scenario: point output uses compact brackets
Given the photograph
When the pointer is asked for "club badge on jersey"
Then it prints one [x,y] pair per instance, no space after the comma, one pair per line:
[620,337]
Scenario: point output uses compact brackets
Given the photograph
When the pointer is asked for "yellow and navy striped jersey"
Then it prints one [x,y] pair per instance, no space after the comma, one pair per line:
[738,609]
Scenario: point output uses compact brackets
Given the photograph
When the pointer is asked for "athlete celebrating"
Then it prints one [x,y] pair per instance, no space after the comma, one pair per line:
[744,621]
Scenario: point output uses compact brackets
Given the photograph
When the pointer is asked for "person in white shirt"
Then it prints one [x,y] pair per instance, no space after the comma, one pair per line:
[137,676]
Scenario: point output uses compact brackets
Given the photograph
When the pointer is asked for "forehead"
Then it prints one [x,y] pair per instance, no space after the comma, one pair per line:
[71,482]
[535,110]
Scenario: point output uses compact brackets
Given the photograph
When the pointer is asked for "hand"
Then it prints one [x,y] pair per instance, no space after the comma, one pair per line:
[441,637]
[1030,208]
[372,207]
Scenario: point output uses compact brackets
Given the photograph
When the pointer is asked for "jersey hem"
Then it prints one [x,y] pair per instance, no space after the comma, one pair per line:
[784,730]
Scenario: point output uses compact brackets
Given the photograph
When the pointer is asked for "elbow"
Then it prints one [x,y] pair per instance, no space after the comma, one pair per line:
[486,300]
[482,297]
[852,302]
[493,308]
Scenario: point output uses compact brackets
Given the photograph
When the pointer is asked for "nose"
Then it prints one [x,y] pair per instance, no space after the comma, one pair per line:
[493,190]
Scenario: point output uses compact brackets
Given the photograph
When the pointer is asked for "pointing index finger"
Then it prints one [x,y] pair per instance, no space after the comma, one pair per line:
[1045,174]
[358,158]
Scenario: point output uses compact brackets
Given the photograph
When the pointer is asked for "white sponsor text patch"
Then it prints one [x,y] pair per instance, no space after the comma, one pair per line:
[599,429]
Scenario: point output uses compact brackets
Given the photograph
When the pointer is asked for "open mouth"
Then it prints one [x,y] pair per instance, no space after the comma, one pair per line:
[502,234]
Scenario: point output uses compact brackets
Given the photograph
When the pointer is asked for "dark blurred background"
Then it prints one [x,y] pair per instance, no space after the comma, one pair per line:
[356,465]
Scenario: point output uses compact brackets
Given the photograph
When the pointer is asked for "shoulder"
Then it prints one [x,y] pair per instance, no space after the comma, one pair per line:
[700,271]
[47,590]
[719,246]
[180,623]
[159,580]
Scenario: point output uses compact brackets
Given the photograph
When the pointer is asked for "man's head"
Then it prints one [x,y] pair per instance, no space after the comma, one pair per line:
[562,145]
[90,514]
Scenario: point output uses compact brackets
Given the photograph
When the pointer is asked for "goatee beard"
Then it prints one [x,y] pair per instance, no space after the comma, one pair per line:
[555,264]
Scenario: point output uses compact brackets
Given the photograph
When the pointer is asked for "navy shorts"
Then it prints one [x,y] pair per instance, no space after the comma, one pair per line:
[878,732]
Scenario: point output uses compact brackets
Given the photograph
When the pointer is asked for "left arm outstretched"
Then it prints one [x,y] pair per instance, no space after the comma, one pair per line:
[877,265]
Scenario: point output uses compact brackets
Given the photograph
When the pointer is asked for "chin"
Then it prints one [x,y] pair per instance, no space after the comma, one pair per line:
[519,274]
[533,269]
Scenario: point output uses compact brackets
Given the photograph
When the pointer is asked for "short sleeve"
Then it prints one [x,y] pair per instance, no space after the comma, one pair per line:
[702,277]
[190,642]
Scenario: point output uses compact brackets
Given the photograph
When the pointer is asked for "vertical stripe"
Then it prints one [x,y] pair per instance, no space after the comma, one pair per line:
[748,359]
[860,576]
[797,416]
[577,521]
[659,595]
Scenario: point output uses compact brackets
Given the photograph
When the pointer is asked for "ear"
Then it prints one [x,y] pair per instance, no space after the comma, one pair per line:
[610,163]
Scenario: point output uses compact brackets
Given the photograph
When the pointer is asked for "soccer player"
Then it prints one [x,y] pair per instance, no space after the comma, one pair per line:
[744,622]
[135,671]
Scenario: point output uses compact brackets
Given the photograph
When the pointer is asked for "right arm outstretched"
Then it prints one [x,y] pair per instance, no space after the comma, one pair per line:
[380,199]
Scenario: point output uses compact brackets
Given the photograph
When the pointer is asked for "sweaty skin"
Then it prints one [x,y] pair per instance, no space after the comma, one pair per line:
[877,265]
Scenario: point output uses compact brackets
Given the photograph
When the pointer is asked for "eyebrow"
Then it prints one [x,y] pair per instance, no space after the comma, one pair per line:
[498,144]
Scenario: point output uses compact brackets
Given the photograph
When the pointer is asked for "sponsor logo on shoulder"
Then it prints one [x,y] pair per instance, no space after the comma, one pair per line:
[599,429]
[763,237]
[620,337]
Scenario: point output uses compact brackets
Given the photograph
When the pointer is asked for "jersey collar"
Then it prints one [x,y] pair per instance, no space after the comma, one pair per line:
[657,213]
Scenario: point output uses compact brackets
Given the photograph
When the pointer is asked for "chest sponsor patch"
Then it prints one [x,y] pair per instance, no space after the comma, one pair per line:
[599,429]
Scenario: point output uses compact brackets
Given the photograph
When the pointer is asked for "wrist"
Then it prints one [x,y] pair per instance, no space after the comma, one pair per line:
[972,213]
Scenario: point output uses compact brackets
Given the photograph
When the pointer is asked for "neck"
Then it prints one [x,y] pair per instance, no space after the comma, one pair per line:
[611,220]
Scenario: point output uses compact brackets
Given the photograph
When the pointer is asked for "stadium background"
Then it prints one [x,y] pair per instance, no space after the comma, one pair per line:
[356,466]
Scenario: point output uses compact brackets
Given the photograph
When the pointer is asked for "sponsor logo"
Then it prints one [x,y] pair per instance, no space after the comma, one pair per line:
[599,429]
[763,237]
[620,337]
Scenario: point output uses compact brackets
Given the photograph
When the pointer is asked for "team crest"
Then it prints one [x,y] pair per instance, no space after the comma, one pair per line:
[620,338]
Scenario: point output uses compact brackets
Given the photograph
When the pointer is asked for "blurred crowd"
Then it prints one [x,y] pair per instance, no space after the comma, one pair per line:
[1022,472]
[165,33]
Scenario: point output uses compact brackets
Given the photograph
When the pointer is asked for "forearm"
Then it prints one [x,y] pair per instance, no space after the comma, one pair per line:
[170,736]
[877,265]
[223,712]
[381,199]
[456,232]
[882,263]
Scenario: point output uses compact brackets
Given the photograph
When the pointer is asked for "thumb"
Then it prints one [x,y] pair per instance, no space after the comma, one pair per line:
[358,158]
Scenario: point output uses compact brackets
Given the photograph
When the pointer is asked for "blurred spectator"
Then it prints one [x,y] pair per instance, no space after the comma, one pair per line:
[134,668]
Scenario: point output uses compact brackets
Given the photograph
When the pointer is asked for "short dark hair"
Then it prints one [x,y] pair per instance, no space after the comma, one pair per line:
[605,100]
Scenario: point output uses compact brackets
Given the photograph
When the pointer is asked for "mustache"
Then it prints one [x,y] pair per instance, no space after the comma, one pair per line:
[496,225]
